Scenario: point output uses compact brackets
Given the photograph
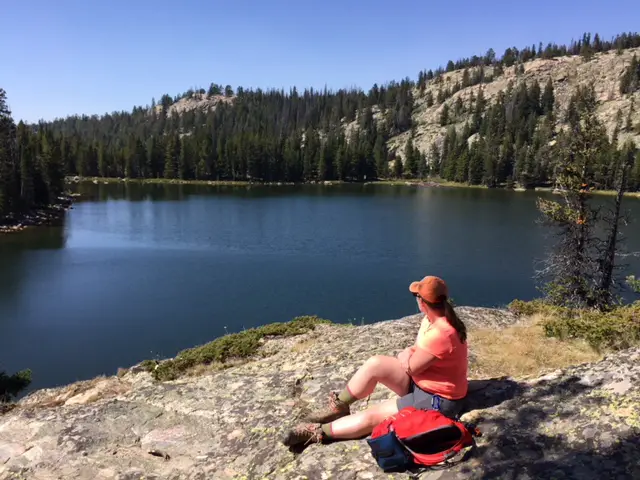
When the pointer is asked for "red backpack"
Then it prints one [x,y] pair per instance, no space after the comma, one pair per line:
[414,438]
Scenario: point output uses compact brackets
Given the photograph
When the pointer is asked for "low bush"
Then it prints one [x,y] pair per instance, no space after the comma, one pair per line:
[613,330]
[12,385]
[616,329]
[533,307]
[233,346]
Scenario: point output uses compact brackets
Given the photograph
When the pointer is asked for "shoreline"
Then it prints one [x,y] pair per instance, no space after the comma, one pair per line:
[593,192]
[46,215]
[428,183]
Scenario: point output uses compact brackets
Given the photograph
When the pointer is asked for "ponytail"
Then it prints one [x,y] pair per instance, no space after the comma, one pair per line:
[455,322]
[446,309]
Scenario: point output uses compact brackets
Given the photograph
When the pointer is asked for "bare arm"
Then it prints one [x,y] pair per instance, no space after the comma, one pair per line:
[418,361]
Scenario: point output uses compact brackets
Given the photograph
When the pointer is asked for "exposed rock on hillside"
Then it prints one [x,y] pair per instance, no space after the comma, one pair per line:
[197,101]
[604,70]
[580,423]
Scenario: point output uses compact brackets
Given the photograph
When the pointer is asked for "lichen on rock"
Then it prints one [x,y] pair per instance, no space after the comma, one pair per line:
[580,422]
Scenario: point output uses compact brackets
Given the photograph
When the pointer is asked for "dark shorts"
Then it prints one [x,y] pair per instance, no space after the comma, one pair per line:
[422,400]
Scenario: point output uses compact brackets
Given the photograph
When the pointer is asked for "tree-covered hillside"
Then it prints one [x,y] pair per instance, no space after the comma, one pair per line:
[482,120]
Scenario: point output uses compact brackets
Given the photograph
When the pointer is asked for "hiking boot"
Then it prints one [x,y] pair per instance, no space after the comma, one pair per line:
[304,433]
[334,409]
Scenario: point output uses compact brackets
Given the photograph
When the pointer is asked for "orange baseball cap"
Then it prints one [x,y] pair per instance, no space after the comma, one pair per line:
[430,288]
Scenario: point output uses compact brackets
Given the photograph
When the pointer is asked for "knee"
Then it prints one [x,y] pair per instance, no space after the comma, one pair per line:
[373,417]
[375,363]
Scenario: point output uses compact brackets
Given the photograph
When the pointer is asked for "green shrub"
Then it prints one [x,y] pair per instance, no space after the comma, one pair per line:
[615,330]
[12,385]
[537,306]
[233,346]
[634,283]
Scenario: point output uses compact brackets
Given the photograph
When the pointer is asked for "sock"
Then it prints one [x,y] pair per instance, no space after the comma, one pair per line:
[346,397]
[326,429]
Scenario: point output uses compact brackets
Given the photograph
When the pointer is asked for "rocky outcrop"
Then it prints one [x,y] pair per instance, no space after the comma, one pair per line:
[604,70]
[580,423]
[197,101]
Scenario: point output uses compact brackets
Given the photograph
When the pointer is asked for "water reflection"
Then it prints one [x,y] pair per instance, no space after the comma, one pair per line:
[137,192]
[14,252]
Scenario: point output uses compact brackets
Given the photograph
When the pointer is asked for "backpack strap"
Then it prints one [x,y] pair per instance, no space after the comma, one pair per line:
[435,401]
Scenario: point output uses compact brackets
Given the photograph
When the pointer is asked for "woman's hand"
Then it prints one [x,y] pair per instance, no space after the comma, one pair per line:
[404,356]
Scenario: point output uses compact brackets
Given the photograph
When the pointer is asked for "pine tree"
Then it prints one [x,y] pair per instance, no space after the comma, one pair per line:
[466,78]
[458,107]
[462,163]
[534,102]
[628,126]
[170,158]
[341,163]
[27,169]
[434,159]
[429,99]
[323,170]
[606,261]
[423,167]
[214,89]
[476,162]
[102,161]
[397,167]
[478,111]
[444,115]
[548,99]
[8,186]
[630,80]
[411,156]
[572,265]
[381,157]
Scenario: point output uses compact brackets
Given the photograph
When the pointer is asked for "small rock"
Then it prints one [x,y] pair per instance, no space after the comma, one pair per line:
[163,439]
[10,450]
[159,453]
[589,433]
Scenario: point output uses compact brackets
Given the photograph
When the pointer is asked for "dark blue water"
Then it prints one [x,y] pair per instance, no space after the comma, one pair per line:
[139,272]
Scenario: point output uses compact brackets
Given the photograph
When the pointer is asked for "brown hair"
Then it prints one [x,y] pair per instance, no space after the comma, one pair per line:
[444,307]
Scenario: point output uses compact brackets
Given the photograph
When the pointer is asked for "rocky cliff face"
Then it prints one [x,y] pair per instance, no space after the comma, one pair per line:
[604,70]
[198,101]
[580,423]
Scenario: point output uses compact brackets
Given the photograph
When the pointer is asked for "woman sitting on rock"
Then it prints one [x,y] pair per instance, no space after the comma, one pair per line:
[432,374]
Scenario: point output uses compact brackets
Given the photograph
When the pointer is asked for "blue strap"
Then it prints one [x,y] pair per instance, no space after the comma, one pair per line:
[435,402]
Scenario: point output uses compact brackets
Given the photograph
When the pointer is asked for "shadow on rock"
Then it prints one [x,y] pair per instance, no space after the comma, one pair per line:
[560,428]
[490,393]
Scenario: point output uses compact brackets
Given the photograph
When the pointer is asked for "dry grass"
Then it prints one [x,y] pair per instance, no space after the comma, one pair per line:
[303,345]
[523,350]
[205,368]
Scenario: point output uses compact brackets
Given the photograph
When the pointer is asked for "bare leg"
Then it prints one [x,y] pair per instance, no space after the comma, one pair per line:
[379,369]
[362,423]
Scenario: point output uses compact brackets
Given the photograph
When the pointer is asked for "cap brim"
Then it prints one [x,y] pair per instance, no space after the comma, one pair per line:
[414,287]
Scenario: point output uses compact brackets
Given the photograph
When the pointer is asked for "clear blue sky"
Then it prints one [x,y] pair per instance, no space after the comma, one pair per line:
[61,57]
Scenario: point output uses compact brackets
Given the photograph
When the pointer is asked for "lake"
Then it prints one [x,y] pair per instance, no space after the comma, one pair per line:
[142,272]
